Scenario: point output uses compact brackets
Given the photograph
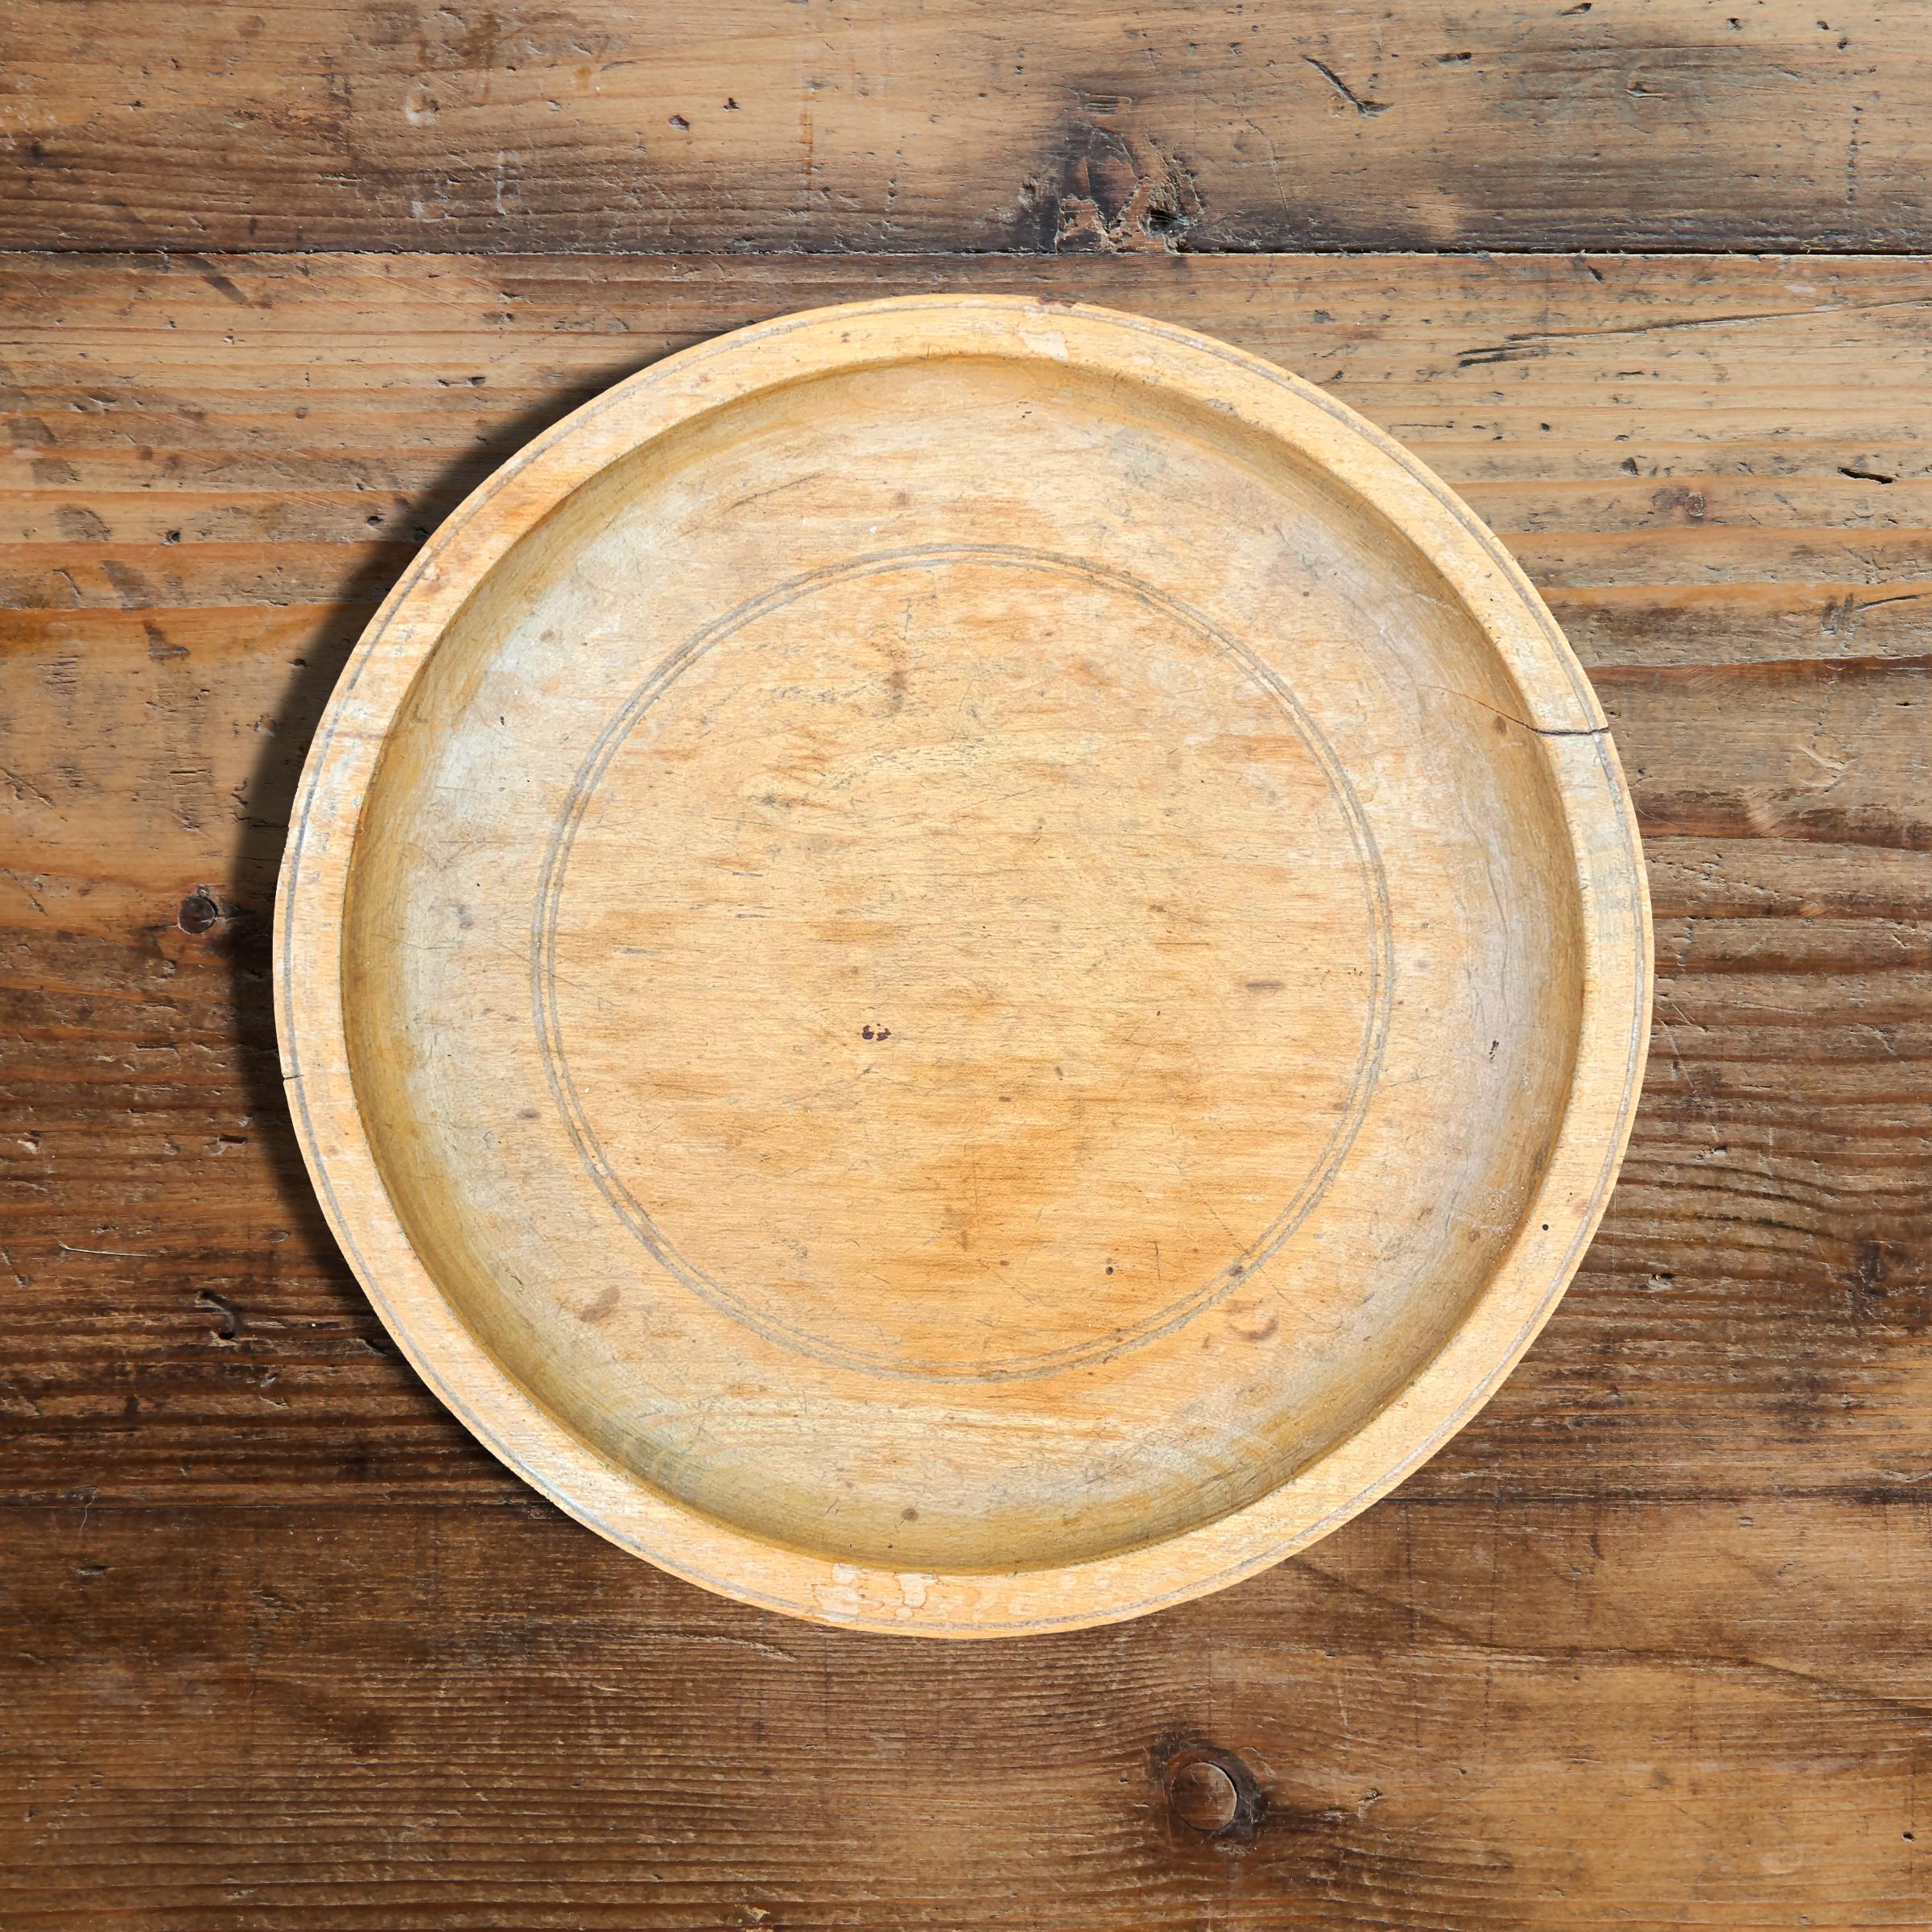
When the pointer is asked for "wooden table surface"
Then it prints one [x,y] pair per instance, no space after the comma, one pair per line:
[1649,1646]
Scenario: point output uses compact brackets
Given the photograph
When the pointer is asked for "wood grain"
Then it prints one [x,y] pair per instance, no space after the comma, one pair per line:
[1686,1722]
[964,127]
[1451,1714]
[1769,718]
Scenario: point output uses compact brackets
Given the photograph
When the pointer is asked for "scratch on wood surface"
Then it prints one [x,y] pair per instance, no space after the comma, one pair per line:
[1532,342]
[1367,109]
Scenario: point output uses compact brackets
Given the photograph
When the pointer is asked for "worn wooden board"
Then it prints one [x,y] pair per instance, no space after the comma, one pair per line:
[199,447]
[1514,1715]
[964,125]
[195,552]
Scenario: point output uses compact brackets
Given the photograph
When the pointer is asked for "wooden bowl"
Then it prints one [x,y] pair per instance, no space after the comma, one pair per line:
[962,965]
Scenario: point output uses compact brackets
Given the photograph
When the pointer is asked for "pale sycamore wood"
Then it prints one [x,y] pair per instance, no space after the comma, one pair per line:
[963,966]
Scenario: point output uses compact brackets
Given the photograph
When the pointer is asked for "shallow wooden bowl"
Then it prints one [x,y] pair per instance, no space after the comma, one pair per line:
[963,966]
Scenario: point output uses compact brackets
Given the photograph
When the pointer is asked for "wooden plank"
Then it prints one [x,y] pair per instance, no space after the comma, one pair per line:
[192,490]
[1454,1715]
[962,125]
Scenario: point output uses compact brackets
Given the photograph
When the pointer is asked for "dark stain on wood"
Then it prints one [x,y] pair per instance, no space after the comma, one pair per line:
[1212,1794]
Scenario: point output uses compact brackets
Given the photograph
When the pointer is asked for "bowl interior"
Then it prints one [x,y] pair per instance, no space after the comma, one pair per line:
[963,967]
